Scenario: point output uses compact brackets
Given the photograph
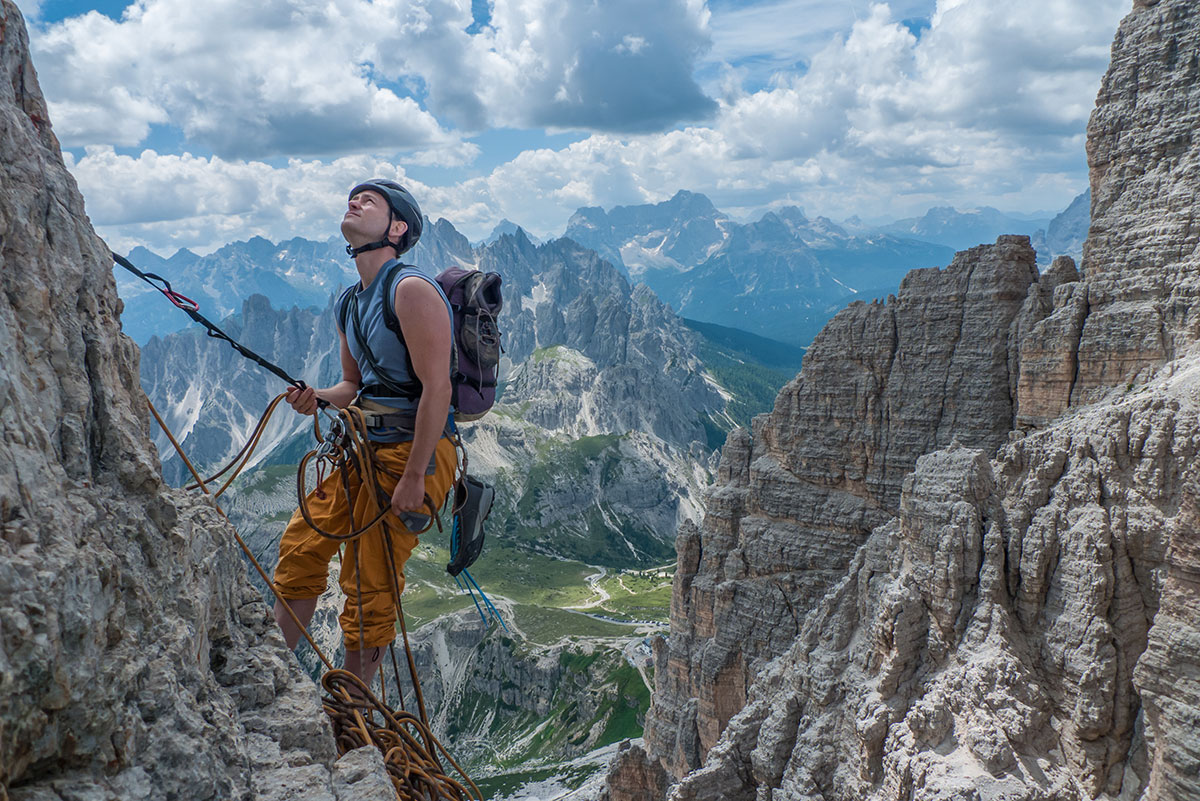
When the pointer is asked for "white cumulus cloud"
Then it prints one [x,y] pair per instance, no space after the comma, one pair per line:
[242,79]
[166,202]
[985,105]
[322,77]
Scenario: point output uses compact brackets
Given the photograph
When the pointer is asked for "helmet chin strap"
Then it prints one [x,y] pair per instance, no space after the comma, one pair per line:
[386,242]
[383,243]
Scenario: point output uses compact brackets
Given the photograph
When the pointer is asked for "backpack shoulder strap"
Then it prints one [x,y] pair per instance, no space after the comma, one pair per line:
[350,315]
[396,272]
[343,307]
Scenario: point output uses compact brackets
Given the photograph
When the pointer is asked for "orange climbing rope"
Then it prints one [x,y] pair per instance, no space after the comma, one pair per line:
[411,752]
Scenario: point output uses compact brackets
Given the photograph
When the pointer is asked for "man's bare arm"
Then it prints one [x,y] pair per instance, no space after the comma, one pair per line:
[426,326]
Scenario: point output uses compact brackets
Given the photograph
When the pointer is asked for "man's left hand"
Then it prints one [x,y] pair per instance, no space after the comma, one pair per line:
[409,495]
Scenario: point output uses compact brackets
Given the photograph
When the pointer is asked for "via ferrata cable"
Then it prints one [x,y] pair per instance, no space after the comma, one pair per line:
[192,309]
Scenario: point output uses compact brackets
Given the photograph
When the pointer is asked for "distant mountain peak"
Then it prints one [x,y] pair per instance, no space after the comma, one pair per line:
[963,228]
[694,202]
[509,228]
[183,258]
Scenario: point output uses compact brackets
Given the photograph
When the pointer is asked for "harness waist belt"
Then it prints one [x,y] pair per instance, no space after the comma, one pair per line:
[405,422]
[377,415]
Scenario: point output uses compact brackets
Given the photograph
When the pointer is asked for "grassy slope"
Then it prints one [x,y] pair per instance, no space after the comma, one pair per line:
[751,368]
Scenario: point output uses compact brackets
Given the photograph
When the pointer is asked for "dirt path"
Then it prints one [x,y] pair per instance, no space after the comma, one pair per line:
[601,594]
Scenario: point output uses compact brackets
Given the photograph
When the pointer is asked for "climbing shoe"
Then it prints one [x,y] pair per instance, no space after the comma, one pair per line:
[473,499]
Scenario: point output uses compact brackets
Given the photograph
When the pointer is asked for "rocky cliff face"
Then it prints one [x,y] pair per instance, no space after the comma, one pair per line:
[984,643]
[1141,252]
[882,384]
[1020,621]
[136,662]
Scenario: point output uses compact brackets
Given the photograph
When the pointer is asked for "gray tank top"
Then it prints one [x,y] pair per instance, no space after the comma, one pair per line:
[390,352]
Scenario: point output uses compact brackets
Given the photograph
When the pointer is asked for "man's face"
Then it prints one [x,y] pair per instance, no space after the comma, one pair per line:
[366,218]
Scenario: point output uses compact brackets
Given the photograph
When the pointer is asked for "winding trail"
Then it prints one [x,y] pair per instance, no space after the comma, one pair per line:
[594,585]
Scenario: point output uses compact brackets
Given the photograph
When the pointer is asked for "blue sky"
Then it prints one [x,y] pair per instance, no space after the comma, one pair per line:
[191,125]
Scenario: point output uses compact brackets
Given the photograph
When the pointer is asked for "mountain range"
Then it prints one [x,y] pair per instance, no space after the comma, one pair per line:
[604,403]
[782,276]
[600,445]
[959,559]
[963,228]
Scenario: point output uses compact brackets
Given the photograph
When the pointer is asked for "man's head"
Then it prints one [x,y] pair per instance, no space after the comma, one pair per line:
[381,213]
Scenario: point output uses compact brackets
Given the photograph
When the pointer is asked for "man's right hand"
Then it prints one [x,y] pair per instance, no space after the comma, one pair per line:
[304,401]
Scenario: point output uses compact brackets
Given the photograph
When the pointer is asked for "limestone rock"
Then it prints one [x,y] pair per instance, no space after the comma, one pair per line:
[1168,674]
[360,776]
[1141,255]
[882,384]
[1024,626]
[634,777]
[1049,329]
[983,644]
[136,662]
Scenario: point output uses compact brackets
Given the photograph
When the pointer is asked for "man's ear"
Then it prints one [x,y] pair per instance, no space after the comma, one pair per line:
[398,229]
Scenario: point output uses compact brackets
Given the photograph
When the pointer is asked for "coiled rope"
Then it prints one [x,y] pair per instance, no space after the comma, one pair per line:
[411,752]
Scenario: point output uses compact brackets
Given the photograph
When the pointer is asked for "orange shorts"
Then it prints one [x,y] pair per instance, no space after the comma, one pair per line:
[304,554]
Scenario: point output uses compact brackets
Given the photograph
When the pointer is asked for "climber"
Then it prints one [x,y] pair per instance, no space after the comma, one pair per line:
[405,381]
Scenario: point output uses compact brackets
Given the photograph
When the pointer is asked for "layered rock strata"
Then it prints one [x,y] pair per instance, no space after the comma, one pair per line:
[882,384]
[136,662]
[984,644]
[1143,292]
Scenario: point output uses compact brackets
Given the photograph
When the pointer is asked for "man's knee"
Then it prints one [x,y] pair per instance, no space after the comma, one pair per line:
[375,627]
[303,567]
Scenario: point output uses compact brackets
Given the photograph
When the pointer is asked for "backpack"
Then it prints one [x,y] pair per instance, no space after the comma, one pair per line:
[475,302]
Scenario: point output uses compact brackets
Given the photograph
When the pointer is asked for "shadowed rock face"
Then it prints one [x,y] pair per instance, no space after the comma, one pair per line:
[1168,674]
[1022,621]
[136,662]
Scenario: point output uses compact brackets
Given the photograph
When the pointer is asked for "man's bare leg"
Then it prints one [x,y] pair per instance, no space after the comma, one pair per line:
[304,608]
[364,663]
